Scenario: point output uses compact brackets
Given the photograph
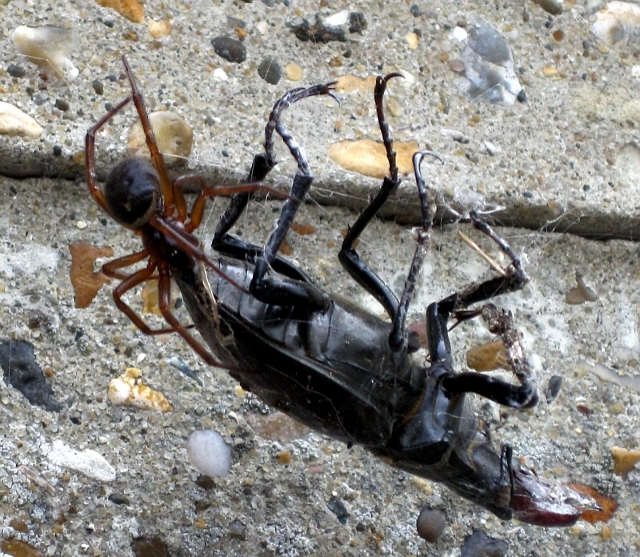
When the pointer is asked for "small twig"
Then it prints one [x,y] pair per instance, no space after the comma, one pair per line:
[482,253]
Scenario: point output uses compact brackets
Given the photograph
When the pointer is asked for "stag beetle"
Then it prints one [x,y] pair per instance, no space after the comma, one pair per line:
[353,376]
[322,359]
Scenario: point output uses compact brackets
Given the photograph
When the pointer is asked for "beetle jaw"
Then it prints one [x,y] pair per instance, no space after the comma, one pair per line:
[541,504]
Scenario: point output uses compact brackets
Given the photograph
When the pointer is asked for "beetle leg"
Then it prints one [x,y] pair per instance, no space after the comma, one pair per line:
[501,323]
[222,241]
[265,288]
[513,279]
[506,478]
[348,256]
[274,290]
[438,343]
[263,163]
[398,334]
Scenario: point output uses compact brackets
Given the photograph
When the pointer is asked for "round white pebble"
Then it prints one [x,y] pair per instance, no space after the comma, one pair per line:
[208,453]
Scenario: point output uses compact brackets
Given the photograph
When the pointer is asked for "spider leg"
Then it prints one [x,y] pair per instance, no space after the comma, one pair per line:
[152,145]
[178,194]
[127,284]
[190,245]
[164,298]
[111,268]
[206,192]
[90,156]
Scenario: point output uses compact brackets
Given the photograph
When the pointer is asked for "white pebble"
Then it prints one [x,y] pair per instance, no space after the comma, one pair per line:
[208,453]
[129,390]
[87,462]
[29,261]
[220,75]
[263,27]
[459,34]
[491,148]
[49,47]
[336,20]
[409,78]
[617,22]
[15,122]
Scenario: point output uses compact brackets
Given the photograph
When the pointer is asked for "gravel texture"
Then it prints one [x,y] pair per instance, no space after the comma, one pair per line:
[564,157]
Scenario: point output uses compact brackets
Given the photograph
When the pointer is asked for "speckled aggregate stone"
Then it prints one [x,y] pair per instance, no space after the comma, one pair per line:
[559,148]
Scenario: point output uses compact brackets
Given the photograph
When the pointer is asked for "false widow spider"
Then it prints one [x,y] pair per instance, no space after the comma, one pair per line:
[140,195]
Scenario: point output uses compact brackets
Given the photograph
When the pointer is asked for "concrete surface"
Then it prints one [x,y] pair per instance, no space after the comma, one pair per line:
[566,136]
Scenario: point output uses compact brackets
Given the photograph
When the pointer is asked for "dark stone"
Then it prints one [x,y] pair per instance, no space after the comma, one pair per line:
[479,544]
[553,388]
[61,104]
[237,530]
[205,482]
[357,22]
[236,23]
[15,71]
[57,150]
[318,32]
[150,546]
[98,87]
[229,49]
[270,70]
[337,507]
[430,524]
[118,499]
[22,372]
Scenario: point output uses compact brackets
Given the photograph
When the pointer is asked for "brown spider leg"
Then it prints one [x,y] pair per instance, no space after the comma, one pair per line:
[155,277]
[152,145]
[90,154]
[190,244]
[143,275]
[111,268]
[164,298]
[178,194]
[197,209]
